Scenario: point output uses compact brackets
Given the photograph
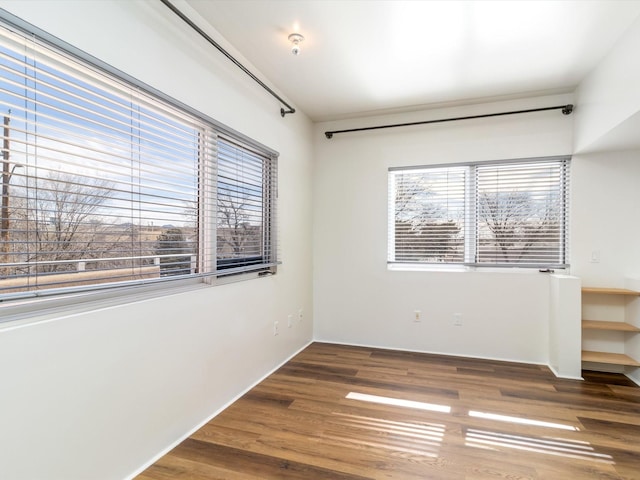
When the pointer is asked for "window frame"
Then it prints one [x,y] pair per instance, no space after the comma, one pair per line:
[471,218]
[209,267]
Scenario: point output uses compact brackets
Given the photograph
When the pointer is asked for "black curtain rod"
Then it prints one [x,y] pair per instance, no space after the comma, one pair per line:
[566,110]
[204,35]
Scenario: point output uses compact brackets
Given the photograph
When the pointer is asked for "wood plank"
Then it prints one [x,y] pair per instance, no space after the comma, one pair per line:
[501,421]
[607,325]
[255,463]
[609,358]
[610,291]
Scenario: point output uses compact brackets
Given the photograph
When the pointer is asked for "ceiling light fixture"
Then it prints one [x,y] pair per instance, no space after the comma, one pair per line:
[296,39]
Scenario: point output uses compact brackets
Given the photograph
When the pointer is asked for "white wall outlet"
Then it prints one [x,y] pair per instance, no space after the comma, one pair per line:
[417,316]
[290,321]
[275,328]
[595,256]
[457,319]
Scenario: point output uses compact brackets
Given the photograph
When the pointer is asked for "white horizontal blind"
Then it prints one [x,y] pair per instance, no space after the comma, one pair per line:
[243,236]
[428,215]
[522,213]
[487,214]
[104,184]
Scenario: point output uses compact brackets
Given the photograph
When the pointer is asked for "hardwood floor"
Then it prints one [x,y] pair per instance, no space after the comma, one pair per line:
[336,412]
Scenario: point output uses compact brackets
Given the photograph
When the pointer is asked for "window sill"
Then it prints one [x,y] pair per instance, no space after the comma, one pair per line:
[415,267]
[21,312]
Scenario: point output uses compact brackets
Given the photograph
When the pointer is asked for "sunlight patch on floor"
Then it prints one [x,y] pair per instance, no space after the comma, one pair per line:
[420,438]
[521,421]
[547,445]
[398,402]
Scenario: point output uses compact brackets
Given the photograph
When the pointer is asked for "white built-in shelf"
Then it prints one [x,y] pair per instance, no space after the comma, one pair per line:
[609,358]
[606,325]
[606,357]
[611,291]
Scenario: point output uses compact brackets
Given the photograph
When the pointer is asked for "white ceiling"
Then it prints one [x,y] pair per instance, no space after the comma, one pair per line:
[369,56]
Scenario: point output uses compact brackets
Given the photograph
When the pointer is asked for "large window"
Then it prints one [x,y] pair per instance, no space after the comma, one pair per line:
[105,184]
[508,214]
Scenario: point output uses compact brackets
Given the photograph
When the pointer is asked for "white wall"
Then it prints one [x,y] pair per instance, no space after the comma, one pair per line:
[605,196]
[97,394]
[606,167]
[608,99]
[357,300]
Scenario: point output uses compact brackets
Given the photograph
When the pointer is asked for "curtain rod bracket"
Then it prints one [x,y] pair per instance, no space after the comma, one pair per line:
[566,110]
[283,112]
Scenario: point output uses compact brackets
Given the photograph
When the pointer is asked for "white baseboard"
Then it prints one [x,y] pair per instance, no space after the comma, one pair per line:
[637,382]
[566,377]
[446,354]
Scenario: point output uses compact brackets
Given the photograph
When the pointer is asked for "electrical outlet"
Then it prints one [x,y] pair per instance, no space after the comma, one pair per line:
[290,321]
[417,316]
[457,319]
[595,256]
[275,328]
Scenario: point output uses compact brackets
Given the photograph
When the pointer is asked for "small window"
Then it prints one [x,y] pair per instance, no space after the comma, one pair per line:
[505,214]
[245,185]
